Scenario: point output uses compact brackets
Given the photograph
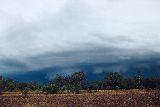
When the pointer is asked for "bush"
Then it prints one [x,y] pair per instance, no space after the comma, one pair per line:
[128,83]
[151,83]
[51,88]
[75,88]
[25,91]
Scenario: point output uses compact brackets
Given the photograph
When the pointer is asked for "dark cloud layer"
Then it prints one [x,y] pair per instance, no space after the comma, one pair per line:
[64,36]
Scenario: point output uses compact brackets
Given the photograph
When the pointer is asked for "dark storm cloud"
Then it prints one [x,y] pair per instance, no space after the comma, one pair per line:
[37,34]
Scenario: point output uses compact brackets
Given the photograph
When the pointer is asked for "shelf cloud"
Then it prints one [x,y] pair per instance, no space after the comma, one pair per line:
[38,34]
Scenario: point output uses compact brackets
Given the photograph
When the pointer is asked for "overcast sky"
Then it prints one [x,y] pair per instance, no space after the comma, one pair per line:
[36,34]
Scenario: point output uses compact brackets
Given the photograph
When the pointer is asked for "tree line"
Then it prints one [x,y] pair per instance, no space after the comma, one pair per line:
[78,81]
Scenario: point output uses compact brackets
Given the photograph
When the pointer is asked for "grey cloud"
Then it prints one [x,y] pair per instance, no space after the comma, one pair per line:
[113,38]
[67,33]
[11,65]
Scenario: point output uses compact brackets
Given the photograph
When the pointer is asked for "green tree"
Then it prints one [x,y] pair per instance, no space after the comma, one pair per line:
[51,88]
[10,85]
[59,80]
[77,78]
[114,80]
[96,85]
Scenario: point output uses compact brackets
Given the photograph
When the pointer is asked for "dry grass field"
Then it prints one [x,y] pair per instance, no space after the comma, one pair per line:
[119,98]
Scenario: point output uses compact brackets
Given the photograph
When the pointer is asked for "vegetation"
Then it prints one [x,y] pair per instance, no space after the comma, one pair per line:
[77,81]
[95,93]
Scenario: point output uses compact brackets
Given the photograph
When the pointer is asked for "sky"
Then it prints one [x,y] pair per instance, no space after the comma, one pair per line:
[66,34]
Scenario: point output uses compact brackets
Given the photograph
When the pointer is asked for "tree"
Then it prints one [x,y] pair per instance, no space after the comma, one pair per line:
[138,78]
[76,80]
[77,77]
[1,84]
[34,86]
[128,83]
[51,88]
[10,85]
[151,83]
[60,80]
[114,80]
[96,85]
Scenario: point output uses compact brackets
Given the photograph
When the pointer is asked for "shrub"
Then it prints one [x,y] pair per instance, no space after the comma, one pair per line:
[51,88]
[25,92]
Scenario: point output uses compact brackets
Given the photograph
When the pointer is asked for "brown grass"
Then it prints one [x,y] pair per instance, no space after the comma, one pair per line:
[103,98]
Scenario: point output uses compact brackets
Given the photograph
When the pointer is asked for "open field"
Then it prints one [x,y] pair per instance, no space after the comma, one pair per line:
[119,98]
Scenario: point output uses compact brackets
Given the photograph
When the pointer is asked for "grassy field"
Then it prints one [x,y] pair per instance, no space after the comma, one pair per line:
[103,98]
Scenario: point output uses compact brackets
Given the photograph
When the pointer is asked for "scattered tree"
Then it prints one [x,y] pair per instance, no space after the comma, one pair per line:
[77,81]
[114,80]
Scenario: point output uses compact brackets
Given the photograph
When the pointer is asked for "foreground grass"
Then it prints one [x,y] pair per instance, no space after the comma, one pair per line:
[102,98]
